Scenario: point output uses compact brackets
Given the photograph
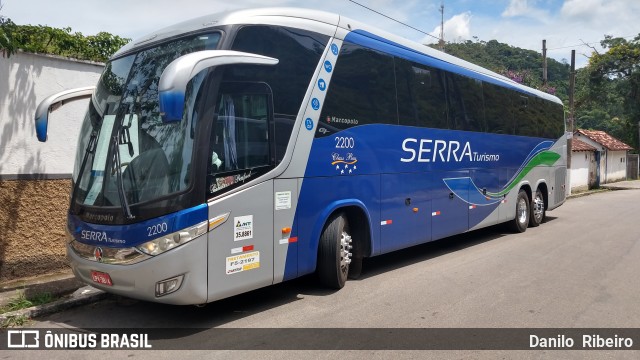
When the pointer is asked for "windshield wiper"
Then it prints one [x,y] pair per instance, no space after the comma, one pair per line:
[115,146]
[91,148]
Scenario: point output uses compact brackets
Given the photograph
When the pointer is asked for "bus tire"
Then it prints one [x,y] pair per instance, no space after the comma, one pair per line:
[537,210]
[520,223]
[355,268]
[334,252]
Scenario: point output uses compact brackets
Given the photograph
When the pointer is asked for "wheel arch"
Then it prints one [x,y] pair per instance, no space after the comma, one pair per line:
[359,221]
[527,188]
[544,189]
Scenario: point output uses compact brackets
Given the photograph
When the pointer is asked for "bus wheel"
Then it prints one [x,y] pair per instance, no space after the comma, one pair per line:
[355,268]
[537,210]
[334,252]
[521,221]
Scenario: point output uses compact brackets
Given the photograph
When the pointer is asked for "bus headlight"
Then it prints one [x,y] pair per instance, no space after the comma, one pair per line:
[170,241]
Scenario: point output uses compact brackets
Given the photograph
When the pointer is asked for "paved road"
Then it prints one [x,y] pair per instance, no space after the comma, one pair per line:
[580,269]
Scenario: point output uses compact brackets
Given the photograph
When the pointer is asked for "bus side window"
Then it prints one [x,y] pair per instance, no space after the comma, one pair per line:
[526,118]
[362,90]
[466,104]
[421,95]
[499,109]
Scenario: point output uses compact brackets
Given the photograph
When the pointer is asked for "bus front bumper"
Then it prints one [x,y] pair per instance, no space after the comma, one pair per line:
[139,280]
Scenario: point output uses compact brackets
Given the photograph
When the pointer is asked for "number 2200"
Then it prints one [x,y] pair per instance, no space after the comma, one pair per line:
[345,142]
[157,229]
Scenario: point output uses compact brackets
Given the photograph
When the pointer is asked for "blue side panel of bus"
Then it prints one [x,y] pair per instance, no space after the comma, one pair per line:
[405,210]
[390,170]
[450,213]
[322,195]
[415,184]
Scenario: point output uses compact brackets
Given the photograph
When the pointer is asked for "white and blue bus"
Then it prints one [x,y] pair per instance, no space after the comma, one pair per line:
[240,150]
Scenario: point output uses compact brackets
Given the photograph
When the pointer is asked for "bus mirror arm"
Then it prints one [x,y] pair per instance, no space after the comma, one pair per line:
[54,102]
[175,77]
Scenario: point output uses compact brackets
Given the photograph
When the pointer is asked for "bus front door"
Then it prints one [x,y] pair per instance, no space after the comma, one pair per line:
[240,250]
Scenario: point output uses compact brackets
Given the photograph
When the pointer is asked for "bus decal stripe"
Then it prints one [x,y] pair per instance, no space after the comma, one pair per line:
[124,236]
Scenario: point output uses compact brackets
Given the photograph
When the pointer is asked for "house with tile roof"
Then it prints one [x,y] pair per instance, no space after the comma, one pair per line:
[610,154]
[583,166]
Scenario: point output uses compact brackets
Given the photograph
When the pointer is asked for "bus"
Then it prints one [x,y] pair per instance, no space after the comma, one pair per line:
[244,149]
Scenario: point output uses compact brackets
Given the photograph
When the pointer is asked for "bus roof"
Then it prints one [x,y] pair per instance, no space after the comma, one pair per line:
[319,21]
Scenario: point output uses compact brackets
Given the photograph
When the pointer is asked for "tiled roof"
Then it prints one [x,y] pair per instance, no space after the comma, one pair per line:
[604,139]
[578,145]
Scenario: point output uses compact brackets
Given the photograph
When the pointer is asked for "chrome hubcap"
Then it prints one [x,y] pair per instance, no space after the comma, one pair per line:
[538,207]
[345,251]
[522,211]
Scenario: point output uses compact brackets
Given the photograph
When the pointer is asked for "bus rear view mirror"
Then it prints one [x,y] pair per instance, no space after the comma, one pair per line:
[173,82]
[54,102]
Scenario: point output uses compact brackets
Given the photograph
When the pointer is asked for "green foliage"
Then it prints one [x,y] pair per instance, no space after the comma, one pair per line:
[7,44]
[607,93]
[608,90]
[23,302]
[521,65]
[14,321]
[63,42]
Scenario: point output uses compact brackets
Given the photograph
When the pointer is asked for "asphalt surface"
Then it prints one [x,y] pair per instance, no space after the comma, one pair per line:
[578,270]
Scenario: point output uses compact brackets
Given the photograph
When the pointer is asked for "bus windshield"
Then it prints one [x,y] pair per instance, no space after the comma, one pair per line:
[124,142]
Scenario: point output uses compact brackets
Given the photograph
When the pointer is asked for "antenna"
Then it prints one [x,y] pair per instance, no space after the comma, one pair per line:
[441,42]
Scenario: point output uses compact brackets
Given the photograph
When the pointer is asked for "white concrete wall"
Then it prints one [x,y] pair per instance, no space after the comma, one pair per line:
[25,80]
[611,169]
[580,169]
[616,166]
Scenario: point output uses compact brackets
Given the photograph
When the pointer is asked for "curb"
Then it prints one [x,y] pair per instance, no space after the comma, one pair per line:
[615,187]
[591,192]
[82,296]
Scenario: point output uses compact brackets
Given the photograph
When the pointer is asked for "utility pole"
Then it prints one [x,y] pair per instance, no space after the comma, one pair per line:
[441,41]
[572,89]
[544,63]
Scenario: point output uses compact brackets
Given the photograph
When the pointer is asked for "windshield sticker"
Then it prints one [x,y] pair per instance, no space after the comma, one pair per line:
[243,262]
[226,181]
[243,227]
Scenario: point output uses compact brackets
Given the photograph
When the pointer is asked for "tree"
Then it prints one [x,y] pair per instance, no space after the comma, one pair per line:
[7,44]
[521,65]
[54,41]
[612,81]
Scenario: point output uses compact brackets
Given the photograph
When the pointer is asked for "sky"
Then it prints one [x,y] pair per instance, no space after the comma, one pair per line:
[565,24]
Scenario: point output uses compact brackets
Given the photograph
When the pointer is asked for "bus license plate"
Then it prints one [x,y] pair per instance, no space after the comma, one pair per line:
[101,278]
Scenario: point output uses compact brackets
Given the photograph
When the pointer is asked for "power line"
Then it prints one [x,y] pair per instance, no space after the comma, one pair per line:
[435,37]
[589,43]
[398,21]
